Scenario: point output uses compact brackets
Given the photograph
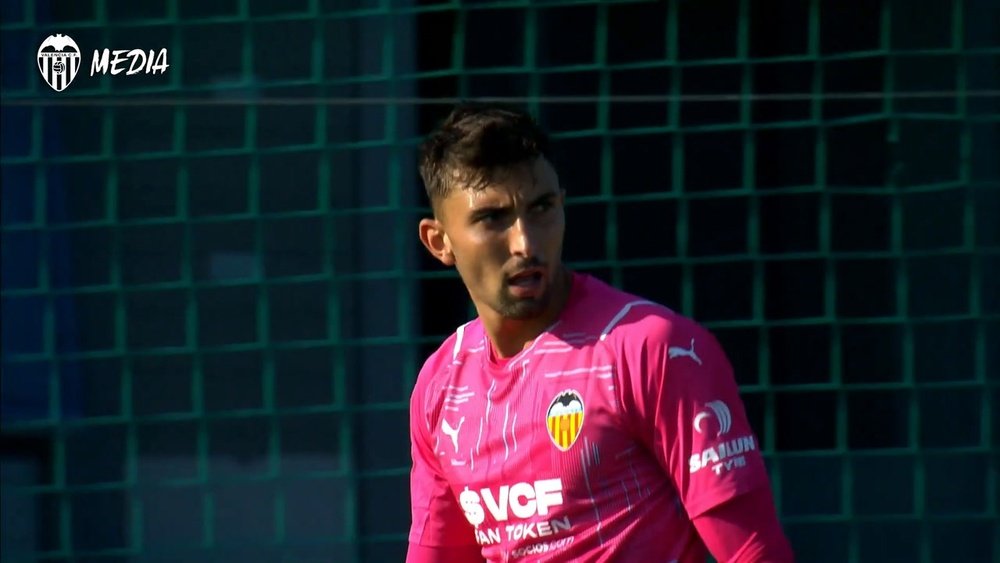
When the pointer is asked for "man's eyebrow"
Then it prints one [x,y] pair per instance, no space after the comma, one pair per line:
[543,197]
[546,195]
[489,206]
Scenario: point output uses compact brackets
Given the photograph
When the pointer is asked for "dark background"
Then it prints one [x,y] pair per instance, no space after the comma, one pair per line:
[215,303]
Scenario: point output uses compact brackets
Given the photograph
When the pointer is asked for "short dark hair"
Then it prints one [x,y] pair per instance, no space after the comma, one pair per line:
[476,141]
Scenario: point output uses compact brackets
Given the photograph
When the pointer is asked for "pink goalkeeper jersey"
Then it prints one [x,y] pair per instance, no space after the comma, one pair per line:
[598,442]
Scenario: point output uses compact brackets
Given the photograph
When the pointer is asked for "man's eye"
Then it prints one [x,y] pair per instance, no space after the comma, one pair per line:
[489,217]
[543,206]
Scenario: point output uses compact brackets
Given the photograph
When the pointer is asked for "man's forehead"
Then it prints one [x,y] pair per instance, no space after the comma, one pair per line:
[527,181]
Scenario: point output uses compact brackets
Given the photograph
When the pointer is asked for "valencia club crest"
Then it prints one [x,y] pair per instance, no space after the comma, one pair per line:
[565,419]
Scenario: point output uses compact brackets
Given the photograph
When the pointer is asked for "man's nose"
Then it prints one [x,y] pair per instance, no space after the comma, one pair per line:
[522,239]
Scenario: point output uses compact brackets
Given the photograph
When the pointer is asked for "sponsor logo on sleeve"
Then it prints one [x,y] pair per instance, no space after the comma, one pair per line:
[722,456]
[719,411]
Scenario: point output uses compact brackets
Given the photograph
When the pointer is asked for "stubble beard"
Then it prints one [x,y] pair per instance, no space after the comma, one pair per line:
[523,309]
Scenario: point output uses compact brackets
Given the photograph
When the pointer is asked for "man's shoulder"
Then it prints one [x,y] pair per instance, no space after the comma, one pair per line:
[432,380]
[624,317]
[451,349]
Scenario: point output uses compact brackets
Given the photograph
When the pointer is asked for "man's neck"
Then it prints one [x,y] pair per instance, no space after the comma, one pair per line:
[509,337]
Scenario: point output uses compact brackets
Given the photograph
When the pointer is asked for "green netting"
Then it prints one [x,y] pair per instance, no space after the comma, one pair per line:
[214,306]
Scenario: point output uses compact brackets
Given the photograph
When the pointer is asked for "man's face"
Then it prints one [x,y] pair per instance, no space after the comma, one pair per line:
[506,240]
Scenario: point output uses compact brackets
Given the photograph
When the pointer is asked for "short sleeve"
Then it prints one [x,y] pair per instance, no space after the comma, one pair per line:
[681,400]
[437,519]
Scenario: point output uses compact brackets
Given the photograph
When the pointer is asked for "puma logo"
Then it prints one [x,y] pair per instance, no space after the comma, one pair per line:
[452,432]
[678,352]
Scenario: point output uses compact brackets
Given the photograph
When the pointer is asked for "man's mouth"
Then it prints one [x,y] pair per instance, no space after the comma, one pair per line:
[526,276]
[525,283]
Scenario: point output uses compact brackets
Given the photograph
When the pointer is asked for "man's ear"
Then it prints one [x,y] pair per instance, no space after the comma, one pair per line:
[436,241]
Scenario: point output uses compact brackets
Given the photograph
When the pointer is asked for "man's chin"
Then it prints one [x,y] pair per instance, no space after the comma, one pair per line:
[523,308]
